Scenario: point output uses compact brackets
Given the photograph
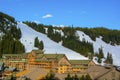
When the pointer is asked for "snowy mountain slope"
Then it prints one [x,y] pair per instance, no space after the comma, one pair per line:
[28,36]
[106,47]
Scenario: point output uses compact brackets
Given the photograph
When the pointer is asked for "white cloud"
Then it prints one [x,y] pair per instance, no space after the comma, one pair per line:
[47,16]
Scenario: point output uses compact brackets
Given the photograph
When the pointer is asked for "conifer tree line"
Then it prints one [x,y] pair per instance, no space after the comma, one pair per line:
[109,58]
[109,36]
[51,76]
[38,44]
[10,36]
[10,46]
[69,40]
[35,26]
[100,56]
[4,16]
[76,77]
[53,34]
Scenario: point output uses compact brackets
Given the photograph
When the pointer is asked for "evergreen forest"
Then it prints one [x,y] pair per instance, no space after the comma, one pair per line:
[10,36]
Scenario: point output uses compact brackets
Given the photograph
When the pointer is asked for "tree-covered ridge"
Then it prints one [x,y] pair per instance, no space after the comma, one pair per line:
[5,22]
[69,39]
[10,35]
[109,36]
[51,31]
[8,25]
[35,26]
[4,16]
[53,34]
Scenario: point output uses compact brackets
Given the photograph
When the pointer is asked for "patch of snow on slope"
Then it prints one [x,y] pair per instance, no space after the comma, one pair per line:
[28,36]
[83,35]
[95,59]
[106,47]
[61,32]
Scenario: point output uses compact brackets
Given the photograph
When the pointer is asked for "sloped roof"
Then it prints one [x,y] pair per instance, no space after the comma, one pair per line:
[24,55]
[60,56]
[51,56]
[79,62]
[40,55]
[38,51]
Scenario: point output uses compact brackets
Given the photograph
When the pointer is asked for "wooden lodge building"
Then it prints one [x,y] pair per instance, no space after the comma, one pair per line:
[36,59]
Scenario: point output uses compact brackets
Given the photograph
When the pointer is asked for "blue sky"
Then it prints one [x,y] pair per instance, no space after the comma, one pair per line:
[83,13]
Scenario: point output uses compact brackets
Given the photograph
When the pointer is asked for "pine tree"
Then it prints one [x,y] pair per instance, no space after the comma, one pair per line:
[88,77]
[101,52]
[19,33]
[109,58]
[82,77]
[75,77]
[50,31]
[100,55]
[68,77]
[50,75]
[41,45]
[36,42]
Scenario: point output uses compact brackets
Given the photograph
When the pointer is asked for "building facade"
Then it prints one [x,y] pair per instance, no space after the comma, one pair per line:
[17,61]
[79,65]
[36,59]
